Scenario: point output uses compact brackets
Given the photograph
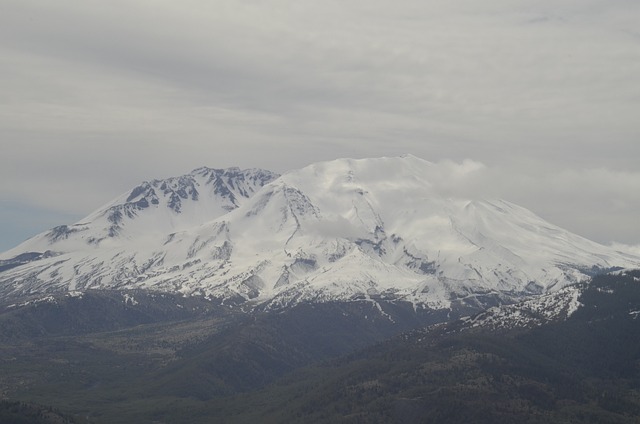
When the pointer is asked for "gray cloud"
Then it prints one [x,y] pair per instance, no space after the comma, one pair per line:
[100,95]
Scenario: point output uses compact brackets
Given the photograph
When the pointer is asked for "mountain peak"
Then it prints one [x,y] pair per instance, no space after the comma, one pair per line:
[158,206]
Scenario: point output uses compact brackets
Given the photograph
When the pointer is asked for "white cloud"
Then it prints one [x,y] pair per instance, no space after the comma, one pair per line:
[631,249]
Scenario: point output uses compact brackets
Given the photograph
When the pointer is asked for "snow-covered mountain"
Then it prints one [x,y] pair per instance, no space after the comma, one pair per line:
[154,209]
[340,230]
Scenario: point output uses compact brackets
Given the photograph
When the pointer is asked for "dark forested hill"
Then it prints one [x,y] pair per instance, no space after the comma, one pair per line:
[166,366]
[585,369]
[24,413]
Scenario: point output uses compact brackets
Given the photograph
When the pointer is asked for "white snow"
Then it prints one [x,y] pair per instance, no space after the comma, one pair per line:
[331,231]
[129,299]
[534,312]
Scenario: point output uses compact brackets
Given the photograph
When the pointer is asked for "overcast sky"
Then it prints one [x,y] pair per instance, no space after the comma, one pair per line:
[541,97]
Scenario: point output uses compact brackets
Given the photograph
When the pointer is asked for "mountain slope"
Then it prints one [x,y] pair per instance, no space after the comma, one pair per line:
[340,230]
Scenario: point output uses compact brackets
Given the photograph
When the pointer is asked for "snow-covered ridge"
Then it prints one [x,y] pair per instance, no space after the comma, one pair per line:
[531,313]
[338,230]
[620,294]
[154,208]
